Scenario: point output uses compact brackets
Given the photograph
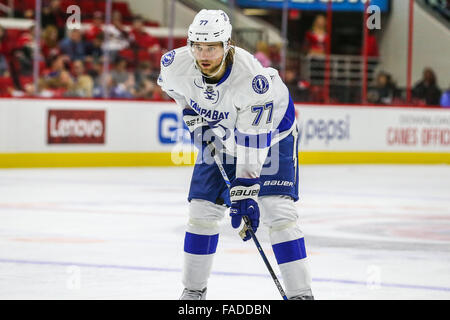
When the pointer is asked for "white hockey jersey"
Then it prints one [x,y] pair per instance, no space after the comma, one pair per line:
[249,109]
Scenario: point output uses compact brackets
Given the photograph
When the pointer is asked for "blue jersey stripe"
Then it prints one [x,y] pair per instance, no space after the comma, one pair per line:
[259,141]
[289,117]
[200,244]
[289,251]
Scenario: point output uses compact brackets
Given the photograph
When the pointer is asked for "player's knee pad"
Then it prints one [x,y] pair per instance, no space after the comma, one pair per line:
[278,212]
[204,217]
[280,216]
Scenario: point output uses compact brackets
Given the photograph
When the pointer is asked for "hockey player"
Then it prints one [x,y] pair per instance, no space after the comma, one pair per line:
[227,97]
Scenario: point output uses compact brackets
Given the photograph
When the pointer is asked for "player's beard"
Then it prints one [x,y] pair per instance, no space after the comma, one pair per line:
[213,69]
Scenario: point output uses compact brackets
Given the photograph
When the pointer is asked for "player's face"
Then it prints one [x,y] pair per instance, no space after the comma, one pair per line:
[208,56]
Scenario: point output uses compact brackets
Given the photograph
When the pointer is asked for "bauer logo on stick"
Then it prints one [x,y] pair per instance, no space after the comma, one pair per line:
[260,84]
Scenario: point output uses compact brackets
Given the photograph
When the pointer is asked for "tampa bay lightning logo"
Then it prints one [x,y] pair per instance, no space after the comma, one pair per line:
[210,94]
[260,84]
[167,59]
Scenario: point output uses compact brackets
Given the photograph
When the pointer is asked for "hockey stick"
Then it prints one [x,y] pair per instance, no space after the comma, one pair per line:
[248,226]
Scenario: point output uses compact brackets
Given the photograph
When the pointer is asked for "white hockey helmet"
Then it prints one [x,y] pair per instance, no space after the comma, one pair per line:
[210,26]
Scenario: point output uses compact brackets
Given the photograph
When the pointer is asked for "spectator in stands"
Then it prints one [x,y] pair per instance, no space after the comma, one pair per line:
[28,14]
[49,42]
[108,87]
[262,54]
[372,45]
[384,91]
[146,89]
[73,45]
[5,51]
[94,50]
[146,71]
[102,85]
[146,78]
[116,37]
[52,14]
[56,86]
[57,64]
[373,51]
[120,74]
[141,39]
[23,51]
[3,40]
[125,90]
[445,99]
[117,22]
[427,90]
[4,68]
[297,89]
[275,54]
[96,28]
[83,84]
[95,71]
[316,39]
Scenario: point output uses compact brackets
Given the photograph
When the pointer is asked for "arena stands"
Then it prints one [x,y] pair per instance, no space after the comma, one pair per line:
[72,62]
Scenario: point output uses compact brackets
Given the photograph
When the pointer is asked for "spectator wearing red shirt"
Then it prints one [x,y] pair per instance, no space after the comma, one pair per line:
[372,45]
[23,52]
[316,40]
[96,28]
[141,39]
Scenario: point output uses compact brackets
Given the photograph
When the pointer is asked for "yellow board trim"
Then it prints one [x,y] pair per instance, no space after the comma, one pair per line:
[88,159]
[307,157]
[158,159]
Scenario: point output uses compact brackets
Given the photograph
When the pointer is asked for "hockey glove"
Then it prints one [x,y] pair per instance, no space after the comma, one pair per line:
[243,196]
[197,126]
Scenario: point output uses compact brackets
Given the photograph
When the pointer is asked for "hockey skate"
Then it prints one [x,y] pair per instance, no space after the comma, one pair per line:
[193,294]
[303,296]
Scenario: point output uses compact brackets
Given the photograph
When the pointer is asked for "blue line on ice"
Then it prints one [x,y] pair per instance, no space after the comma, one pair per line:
[221,273]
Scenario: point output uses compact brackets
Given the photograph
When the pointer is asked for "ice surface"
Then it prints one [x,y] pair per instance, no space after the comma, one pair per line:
[372,232]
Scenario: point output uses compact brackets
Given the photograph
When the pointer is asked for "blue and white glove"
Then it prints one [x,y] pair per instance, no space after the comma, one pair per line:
[244,197]
[197,126]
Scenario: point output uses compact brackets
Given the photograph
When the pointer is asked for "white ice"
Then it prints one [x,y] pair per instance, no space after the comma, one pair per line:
[372,232]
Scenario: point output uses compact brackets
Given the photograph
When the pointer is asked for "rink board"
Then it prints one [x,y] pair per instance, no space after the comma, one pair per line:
[96,133]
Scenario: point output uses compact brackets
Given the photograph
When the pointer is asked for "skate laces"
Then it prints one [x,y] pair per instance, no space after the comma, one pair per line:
[192,294]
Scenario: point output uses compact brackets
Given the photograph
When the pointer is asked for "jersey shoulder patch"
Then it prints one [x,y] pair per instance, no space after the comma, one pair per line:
[253,77]
[260,84]
[168,58]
